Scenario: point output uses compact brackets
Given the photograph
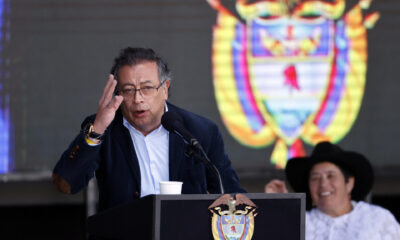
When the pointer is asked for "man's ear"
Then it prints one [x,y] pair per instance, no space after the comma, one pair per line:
[166,88]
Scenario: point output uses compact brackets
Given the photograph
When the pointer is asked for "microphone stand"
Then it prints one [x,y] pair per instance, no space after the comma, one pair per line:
[191,152]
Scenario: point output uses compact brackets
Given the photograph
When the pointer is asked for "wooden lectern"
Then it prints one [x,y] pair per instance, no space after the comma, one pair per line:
[182,217]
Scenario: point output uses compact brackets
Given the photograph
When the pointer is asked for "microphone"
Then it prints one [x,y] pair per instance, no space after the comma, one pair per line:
[173,122]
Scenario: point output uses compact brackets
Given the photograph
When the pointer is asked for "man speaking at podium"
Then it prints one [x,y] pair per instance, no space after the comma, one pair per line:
[130,151]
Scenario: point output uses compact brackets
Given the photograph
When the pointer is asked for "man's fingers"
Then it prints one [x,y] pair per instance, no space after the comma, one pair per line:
[106,113]
[109,87]
[116,102]
[111,90]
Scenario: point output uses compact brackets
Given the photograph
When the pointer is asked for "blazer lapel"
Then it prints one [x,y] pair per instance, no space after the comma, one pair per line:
[176,156]
[125,141]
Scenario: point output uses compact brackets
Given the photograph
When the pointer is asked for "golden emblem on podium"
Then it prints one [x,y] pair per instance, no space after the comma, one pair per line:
[233,218]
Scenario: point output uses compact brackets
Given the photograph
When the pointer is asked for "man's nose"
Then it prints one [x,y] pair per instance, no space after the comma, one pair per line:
[137,96]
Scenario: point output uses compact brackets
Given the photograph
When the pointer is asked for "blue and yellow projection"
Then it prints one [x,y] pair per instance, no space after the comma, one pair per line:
[290,71]
[5,156]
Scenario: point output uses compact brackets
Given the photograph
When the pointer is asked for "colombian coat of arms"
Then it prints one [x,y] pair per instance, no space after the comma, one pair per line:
[233,218]
[290,71]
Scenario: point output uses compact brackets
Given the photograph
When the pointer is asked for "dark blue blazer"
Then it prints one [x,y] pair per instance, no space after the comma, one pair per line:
[117,168]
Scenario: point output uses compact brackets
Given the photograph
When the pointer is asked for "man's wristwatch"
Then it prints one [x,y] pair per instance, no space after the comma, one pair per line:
[88,131]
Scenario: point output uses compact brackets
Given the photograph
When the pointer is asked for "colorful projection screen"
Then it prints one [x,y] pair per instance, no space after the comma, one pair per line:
[277,76]
[290,74]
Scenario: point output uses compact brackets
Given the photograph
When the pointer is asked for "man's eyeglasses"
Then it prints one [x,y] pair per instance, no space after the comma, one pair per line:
[145,92]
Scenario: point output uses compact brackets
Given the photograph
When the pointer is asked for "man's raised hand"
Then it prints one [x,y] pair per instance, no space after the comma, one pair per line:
[108,105]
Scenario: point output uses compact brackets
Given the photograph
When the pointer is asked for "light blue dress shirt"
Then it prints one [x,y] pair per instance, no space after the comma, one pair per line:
[152,152]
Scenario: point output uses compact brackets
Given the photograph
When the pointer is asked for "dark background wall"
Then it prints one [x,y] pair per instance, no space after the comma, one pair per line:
[59,53]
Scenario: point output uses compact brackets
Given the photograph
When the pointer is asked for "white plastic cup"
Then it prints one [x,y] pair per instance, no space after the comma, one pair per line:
[170,187]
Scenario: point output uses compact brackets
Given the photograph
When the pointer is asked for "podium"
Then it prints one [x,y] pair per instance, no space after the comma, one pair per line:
[167,217]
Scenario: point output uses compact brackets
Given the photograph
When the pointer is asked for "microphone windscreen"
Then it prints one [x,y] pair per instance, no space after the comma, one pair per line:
[170,119]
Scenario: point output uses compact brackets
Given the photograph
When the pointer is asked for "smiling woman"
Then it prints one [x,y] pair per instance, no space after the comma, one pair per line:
[330,189]
[336,183]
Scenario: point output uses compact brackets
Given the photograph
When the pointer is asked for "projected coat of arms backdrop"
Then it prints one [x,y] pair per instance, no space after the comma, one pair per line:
[289,72]
[5,156]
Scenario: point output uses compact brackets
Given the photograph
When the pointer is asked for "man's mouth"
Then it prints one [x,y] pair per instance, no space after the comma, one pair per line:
[139,113]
